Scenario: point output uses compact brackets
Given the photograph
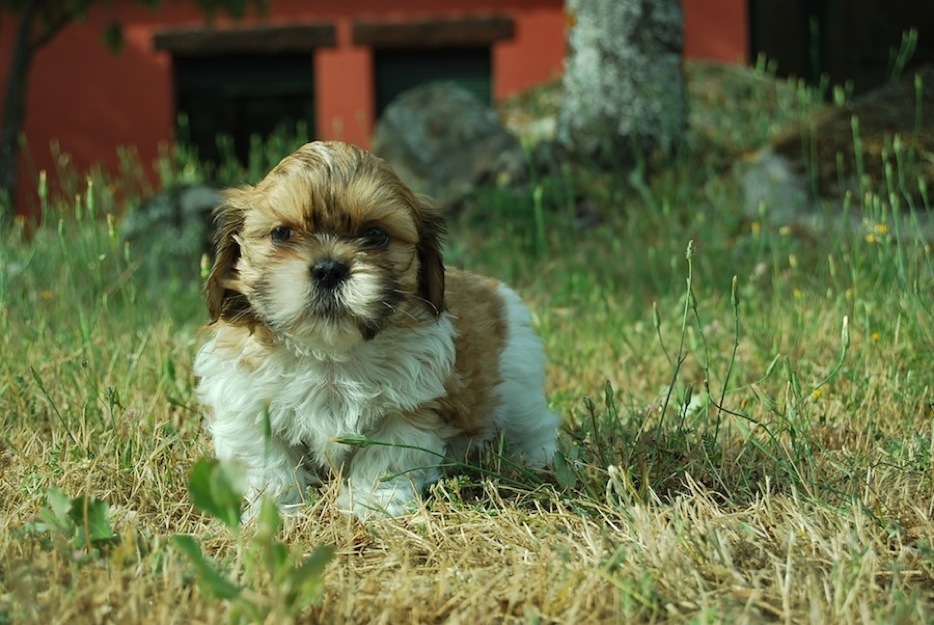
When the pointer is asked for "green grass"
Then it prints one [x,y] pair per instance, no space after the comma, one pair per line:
[748,422]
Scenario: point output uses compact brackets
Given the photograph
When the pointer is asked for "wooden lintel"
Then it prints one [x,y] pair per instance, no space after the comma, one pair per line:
[440,33]
[254,39]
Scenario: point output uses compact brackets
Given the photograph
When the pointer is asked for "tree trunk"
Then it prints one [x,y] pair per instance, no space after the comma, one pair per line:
[14,112]
[39,22]
[624,92]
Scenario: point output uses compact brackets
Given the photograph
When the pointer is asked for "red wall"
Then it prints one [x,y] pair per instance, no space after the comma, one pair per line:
[716,30]
[91,102]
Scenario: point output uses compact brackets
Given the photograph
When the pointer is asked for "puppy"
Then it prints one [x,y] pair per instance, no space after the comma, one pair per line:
[341,344]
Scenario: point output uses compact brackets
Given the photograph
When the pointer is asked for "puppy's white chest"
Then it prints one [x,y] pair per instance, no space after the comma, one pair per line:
[311,400]
[322,402]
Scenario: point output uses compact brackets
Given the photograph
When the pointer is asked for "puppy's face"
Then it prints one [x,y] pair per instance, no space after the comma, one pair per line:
[328,250]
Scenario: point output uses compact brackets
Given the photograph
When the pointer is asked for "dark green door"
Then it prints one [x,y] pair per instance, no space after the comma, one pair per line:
[397,70]
[240,96]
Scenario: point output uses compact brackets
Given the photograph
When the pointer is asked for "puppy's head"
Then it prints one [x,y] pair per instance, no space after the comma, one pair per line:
[329,249]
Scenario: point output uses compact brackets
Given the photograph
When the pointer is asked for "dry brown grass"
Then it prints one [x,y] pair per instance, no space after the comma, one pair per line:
[779,556]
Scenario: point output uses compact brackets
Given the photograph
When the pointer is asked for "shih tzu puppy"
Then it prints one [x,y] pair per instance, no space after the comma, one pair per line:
[341,344]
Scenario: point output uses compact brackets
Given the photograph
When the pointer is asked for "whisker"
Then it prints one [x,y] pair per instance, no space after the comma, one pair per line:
[422,299]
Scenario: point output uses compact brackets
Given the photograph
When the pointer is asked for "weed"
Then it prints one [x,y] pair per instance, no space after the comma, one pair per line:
[80,524]
[294,583]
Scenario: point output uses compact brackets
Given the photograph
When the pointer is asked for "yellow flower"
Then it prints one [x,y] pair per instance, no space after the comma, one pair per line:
[875,337]
[756,227]
[876,232]
[798,294]
[817,393]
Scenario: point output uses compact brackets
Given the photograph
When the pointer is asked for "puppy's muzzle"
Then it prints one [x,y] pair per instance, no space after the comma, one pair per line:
[329,274]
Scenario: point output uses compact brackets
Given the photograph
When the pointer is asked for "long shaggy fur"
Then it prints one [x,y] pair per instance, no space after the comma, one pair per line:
[340,344]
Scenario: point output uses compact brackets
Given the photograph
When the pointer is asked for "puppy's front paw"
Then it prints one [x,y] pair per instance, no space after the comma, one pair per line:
[393,498]
[288,497]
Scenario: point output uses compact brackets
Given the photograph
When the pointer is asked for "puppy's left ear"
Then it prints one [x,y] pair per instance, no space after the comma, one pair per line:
[431,262]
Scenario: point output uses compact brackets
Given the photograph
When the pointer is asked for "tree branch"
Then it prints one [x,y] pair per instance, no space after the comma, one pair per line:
[55,17]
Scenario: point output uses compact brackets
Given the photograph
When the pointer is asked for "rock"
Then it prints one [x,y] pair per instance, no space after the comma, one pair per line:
[774,185]
[841,158]
[169,232]
[805,174]
[444,142]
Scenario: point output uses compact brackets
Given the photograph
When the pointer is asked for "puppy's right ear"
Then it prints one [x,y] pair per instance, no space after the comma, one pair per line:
[221,290]
[431,264]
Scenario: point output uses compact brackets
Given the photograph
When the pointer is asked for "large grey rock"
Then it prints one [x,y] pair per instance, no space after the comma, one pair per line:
[169,232]
[442,141]
[811,175]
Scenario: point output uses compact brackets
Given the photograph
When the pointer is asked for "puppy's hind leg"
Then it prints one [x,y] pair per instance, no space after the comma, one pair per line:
[523,415]
[532,432]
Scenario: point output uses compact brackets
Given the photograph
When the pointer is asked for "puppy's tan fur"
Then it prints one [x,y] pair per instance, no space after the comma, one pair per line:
[360,191]
[336,344]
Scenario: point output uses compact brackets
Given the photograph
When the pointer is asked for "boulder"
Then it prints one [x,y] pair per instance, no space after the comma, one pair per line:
[828,155]
[444,142]
[169,232]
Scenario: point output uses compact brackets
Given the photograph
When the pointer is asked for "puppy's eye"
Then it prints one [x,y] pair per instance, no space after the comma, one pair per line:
[376,236]
[280,234]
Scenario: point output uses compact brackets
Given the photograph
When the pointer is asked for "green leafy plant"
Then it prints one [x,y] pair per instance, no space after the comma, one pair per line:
[294,583]
[82,523]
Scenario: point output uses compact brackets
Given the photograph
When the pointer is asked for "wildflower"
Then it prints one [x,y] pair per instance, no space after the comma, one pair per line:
[816,394]
[876,232]
[798,293]
[756,227]
[875,337]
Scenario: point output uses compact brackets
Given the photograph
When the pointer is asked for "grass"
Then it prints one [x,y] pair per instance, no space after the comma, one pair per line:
[748,424]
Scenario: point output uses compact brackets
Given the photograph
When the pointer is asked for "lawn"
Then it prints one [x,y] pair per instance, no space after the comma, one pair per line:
[748,414]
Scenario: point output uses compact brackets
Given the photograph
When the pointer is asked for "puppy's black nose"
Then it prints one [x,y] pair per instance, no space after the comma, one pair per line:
[329,273]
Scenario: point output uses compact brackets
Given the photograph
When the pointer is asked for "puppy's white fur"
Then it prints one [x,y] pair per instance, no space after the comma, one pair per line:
[289,393]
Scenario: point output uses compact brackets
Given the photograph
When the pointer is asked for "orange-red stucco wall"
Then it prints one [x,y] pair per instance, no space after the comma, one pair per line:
[90,102]
[716,30]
